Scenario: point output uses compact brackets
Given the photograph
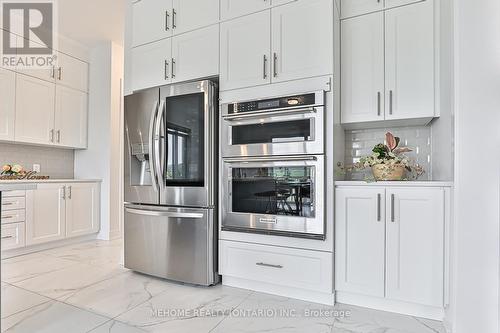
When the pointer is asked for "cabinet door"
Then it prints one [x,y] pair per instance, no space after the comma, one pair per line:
[71,118]
[362,68]
[186,49]
[45,214]
[193,14]
[409,61]
[350,8]
[415,245]
[35,103]
[151,64]
[8,104]
[82,209]
[396,3]
[360,243]
[234,8]
[245,51]
[72,72]
[302,37]
[151,21]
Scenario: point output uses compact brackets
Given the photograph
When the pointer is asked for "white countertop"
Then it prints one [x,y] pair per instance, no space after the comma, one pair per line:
[14,185]
[404,183]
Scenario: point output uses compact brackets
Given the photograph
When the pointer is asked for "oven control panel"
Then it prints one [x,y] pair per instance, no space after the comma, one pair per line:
[273,103]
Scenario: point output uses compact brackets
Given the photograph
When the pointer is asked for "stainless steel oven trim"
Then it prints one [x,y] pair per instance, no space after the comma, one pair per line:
[271,113]
[302,227]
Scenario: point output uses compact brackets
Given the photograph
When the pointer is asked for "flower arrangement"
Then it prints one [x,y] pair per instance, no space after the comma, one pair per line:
[388,161]
[12,170]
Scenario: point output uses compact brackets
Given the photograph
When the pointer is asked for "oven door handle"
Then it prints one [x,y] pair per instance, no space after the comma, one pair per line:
[268,113]
[270,159]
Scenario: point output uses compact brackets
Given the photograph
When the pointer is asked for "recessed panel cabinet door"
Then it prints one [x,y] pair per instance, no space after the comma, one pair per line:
[360,244]
[82,209]
[409,61]
[71,118]
[35,101]
[234,8]
[362,77]
[245,44]
[45,214]
[7,106]
[350,8]
[151,21]
[151,64]
[186,50]
[193,14]
[415,245]
[302,40]
[72,72]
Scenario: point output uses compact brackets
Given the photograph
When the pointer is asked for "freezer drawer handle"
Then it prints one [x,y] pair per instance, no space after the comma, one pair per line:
[164,213]
[268,265]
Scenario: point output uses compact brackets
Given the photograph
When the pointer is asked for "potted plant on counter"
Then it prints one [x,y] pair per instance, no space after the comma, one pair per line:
[388,161]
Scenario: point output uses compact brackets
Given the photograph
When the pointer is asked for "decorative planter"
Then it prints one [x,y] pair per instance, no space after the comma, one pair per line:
[384,172]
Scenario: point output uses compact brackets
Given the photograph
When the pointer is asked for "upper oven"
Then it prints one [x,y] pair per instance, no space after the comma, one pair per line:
[276,126]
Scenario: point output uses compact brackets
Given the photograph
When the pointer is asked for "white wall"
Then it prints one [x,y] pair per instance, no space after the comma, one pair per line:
[477,100]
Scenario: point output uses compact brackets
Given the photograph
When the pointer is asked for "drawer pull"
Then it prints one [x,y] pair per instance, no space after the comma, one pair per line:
[268,265]
[8,217]
[7,204]
[7,237]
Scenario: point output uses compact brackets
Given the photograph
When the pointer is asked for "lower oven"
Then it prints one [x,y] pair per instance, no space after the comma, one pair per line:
[277,195]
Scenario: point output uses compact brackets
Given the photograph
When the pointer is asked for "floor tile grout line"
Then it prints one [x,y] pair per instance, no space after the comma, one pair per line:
[236,307]
[40,274]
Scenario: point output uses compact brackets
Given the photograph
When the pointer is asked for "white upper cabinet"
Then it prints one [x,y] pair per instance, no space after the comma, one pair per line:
[70,118]
[415,245]
[350,8]
[360,246]
[192,14]
[245,51]
[82,209]
[311,23]
[233,8]
[45,214]
[151,64]
[72,72]
[187,64]
[152,20]
[35,102]
[362,71]
[7,106]
[409,61]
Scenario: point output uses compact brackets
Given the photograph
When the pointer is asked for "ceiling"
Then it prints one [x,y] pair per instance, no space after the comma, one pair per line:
[92,21]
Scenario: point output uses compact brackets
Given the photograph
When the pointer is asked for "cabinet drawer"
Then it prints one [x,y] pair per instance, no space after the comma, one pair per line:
[312,270]
[12,236]
[11,216]
[19,193]
[12,203]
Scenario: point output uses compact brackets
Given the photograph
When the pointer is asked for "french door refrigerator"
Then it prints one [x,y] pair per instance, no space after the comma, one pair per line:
[170,182]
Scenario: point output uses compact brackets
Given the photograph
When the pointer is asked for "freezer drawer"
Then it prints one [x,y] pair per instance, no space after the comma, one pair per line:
[172,243]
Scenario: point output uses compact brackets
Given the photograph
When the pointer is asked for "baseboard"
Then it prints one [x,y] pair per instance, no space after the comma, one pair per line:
[302,294]
[47,246]
[383,304]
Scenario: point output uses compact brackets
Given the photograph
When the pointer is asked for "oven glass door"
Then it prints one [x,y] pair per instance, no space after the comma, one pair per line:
[275,196]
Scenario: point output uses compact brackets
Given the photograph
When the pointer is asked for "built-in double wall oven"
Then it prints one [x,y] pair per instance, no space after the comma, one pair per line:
[273,166]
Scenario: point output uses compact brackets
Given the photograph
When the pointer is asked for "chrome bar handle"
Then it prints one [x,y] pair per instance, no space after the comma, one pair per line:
[379,200]
[59,73]
[265,67]
[63,193]
[53,72]
[269,159]
[275,64]
[268,265]
[160,213]
[268,113]
[173,68]
[7,237]
[58,136]
[51,135]
[167,15]
[393,218]
[379,98]
[390,101]
[152,123]
[174,18]
[156,144]
[166,69]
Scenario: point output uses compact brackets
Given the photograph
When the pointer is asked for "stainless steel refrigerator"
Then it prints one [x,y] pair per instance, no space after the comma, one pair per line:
[170,182]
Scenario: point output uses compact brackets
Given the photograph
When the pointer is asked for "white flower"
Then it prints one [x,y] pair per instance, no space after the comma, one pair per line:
[17,168]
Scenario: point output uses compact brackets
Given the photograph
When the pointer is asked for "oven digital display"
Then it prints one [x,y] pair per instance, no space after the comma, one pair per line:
[268,104]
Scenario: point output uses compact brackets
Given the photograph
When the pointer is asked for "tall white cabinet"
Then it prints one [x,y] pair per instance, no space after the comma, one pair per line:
[391,247]
[8,104]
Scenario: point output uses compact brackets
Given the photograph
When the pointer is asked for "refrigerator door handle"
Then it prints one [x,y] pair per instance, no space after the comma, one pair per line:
[159,213]
[156,145]
[152,159]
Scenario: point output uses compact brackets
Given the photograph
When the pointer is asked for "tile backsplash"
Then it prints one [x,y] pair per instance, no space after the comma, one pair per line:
[55,162]
[360,143]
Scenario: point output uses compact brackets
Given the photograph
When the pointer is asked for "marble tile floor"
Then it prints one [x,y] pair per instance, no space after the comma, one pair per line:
[85,288]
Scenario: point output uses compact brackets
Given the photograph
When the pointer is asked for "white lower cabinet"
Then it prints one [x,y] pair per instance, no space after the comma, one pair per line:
[82,209]
[13,236]
[297,268]
[390,246]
